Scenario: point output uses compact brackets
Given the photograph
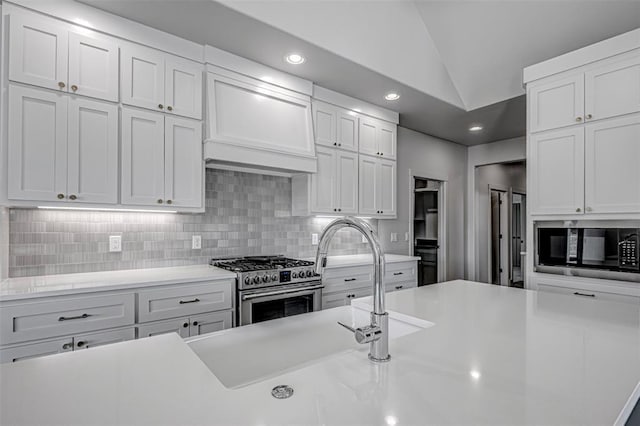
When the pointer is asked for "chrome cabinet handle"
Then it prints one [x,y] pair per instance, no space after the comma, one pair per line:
[195,323]
[60,196]
[74,88]
[349,279]
[398,287]
[72,197]
[169,202]
[169,108]
[183,302]
[578,210]
[160,106]
[61,84]
[578,119]
[81,344]
[589,116]
[67,346]
[398,273]
[185,325]
[159,200]
[588,209]
[577,293]
[83,316]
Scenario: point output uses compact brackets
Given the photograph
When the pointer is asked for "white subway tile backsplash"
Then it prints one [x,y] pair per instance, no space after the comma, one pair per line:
[246,214]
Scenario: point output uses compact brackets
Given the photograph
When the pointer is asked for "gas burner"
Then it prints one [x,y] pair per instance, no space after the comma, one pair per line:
[267,271]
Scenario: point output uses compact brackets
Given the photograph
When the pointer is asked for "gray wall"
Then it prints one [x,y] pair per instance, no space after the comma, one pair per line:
[513,176]
[429,157]
[246,214]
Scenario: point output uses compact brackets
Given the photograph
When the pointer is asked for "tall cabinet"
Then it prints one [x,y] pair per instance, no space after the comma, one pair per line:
[356,165]
[583,148]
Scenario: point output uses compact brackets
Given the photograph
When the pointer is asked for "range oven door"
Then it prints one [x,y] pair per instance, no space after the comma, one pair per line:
[284,301]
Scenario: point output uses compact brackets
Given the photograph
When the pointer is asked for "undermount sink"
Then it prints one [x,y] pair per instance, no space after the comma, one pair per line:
[249,354]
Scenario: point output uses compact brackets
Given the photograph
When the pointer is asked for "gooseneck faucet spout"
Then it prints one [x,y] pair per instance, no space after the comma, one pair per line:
[377,334]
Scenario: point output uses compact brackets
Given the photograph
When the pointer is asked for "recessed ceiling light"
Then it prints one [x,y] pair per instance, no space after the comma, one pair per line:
[475,128]
[294,58]
[392,96]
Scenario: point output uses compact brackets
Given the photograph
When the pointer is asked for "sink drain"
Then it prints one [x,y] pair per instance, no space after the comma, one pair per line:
[282,392]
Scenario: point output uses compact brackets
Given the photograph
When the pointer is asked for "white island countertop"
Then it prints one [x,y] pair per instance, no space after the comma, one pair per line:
[495,355]
[56,285]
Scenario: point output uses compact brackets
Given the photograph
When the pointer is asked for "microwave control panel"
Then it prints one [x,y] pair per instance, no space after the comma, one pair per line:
[628,251]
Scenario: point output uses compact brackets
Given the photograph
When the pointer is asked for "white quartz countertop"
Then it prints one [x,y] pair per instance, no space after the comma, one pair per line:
[495,355]
[55,285]
[341,261]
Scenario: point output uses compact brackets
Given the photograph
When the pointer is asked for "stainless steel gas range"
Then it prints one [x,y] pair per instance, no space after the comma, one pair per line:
[270,287]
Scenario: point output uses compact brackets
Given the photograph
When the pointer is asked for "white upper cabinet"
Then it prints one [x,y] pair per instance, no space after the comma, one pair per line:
[162,161]
[142,157]
[161,82]
[61,148]
[52,55]
[93,67]
[377,137]
[38,52]
[377,195]
[92,151]
[612,159]
[142,77]
[613,89]
[347,182]
[183,87]
[556,103]
[37,166]
[556,163]
[335,126]
[184,166]
[323,182]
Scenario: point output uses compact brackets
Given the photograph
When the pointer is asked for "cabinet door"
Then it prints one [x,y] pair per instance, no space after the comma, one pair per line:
[347,130]
[387,185]
[142,157]
[184,163]
[324,121]
[183,87]
[368,186]
[368,132]
[37,148]
[613,89]
[323,184]
[347,182]
[210,323]
[176,325]
[612,153]
[34,350]
[557,161]
[387,140]
[556,104]
[93,67]
[142,80]
[92,175]
[92,340]
[38,52]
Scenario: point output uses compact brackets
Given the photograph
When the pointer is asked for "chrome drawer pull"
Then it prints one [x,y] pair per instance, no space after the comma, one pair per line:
[349,279]
[584,294]
[398,287]
[83,316]
[398,273]
[182,302]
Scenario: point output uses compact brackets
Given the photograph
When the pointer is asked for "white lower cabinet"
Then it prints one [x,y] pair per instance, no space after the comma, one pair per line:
[188,326]
[66,344]
[344,298]
[176,325]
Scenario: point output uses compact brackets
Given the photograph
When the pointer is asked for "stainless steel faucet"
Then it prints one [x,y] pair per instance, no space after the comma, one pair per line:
[377,333]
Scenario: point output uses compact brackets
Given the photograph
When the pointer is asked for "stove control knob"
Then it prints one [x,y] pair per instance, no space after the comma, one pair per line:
[247,280]
[294,275]
[274,277]
[266,279]
[256,280]
[309,273]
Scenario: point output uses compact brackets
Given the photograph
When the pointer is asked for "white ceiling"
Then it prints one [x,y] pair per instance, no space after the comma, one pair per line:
[455,63]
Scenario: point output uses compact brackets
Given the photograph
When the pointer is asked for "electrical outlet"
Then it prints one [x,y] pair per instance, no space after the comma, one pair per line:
[196,242]
[314,239]
[115,243]
[394,237]
[406,236]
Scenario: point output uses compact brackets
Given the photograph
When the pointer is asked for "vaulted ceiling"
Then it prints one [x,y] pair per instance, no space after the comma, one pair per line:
[455,63]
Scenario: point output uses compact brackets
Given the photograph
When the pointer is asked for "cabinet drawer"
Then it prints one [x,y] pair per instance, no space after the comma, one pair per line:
[64,316]
[176,325]
[400,286]
[344,298]
[343,279]
[588,294]
[400,272]
[34,350]
[92,340]
[184,300]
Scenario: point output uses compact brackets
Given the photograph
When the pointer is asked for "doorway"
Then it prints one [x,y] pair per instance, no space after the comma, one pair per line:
[428,229]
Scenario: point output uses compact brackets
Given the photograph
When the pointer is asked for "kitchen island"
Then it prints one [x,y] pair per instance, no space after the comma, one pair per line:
[494,355]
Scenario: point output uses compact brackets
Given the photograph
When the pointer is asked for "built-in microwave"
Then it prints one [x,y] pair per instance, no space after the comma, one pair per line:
[598,251]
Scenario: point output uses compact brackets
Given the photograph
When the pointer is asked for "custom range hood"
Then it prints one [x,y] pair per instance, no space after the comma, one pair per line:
[258,119]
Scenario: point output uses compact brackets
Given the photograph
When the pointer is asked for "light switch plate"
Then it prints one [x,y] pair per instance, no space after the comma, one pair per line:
[115,243]
[314,239]
[196,242]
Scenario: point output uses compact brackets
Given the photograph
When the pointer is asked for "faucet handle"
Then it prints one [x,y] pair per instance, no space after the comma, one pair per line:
[366,334]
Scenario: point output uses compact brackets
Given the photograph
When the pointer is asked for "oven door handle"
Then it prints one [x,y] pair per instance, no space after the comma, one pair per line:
[279,292]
